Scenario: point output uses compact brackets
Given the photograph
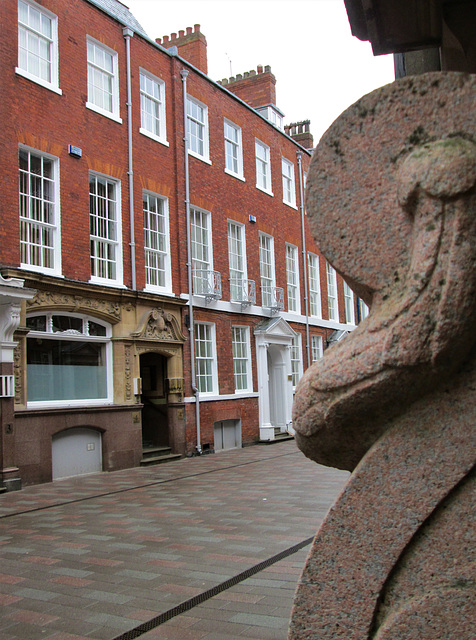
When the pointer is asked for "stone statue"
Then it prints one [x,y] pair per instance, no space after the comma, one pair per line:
[392,204]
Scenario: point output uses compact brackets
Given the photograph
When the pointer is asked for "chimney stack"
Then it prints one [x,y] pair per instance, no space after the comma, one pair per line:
[256,88]
[191,45]
[300,132]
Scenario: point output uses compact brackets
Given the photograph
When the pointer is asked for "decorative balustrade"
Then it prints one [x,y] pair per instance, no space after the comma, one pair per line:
[207,283]
[272,298]
[243,291]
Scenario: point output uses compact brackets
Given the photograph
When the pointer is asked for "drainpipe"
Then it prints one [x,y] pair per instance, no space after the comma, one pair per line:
[304,260]
[184,74]
[128,33]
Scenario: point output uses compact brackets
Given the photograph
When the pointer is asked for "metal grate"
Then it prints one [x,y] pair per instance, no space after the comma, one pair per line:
[210,593]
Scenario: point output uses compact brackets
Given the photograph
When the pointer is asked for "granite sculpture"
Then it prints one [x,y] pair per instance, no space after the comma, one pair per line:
[391,200]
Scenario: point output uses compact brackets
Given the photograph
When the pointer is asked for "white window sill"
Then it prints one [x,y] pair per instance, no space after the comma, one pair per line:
[107,283]
[164,291]
[267,191]
[152,136]
[65,404]
[205,159]
[46,272]
[102,112]
[290,204]
[235,175]
[36,80]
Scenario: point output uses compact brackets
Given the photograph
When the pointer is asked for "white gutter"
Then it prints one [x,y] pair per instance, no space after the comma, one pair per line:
[128,34]
[184,74]
[304,257]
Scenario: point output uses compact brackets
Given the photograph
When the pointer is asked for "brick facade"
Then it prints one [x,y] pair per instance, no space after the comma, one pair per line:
[142,321]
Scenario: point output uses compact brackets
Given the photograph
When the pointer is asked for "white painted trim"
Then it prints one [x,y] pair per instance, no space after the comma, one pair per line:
[254,310]
[227,396]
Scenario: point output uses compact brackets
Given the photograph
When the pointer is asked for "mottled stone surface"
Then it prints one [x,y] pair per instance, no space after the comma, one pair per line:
[392,203]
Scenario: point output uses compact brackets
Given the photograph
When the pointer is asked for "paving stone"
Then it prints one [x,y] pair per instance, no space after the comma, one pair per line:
[104,565]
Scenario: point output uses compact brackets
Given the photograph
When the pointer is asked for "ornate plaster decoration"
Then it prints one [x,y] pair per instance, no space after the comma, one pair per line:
[44,300]
[159,325]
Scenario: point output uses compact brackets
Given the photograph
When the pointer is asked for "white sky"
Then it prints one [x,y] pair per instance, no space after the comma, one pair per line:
[320,67]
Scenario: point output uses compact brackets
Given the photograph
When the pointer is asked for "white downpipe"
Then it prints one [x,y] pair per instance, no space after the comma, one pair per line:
[184,74]
[128,33]
[304,256]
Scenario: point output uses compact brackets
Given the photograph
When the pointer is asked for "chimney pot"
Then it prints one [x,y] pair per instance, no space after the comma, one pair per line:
[166,39]
[252,72]
[267,69]
[189,30]
[196,27]
[173,36]
[181,33]
[158,40]
[260,68]
[239,76]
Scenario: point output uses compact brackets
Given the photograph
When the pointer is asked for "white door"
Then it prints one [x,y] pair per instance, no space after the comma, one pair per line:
[76,452]
[277,387]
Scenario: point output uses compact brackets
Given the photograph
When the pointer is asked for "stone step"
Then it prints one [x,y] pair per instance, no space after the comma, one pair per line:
[151,451]
[159,459]
[278,437]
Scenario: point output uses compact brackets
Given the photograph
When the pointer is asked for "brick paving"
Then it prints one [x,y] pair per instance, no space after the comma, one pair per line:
[96,557]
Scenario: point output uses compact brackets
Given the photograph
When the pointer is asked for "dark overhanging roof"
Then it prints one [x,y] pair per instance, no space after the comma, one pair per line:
[397,26]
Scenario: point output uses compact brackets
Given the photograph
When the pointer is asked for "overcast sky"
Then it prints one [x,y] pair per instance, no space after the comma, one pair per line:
[320,67]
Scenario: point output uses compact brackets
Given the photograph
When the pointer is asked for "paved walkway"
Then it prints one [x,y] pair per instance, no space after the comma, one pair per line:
[207,548]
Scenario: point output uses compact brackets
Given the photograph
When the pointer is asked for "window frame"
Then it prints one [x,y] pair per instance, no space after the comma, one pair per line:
[238,145]
[290,285]
[211,358]
[74,336]
[364,309]
[240,242]
[317,348]
[166,288]
[315,303]
[160,102]
[296,359]
[332,294]
[56,227]
[53,83]
[349,304]
[264,279]
[289,182]
[205,156]
[246,358]
[197,263]
[117,243]
[263,168]
[114,113]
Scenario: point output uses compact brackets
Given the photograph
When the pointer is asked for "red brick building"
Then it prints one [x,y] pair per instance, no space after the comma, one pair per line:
[130,178]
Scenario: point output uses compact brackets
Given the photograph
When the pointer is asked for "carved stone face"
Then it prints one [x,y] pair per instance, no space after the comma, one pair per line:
[352,187]
[391,203]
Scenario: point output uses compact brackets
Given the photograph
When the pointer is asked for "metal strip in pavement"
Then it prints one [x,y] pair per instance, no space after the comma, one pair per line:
[210,593]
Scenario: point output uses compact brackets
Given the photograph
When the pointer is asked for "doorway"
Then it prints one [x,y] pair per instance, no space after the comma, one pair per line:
[76,452]
[227,435]
[277,386]
[155,423]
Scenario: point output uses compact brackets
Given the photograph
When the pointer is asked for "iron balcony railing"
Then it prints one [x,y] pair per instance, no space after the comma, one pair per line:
[207,283]
[272,298]
[243,291]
